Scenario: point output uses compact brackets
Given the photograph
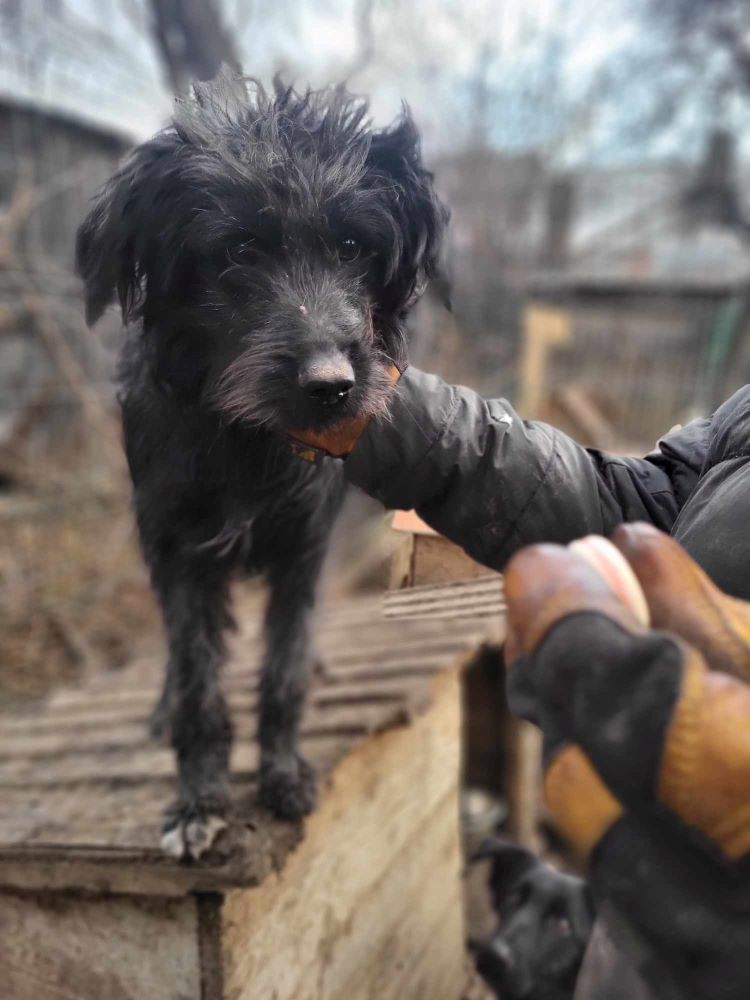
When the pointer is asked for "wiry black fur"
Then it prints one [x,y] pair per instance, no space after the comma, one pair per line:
[546,918]
[256,231]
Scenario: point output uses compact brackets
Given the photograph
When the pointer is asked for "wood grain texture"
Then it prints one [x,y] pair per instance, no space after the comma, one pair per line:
[82,787]
[361,902]
[73,948]
[425,559]
[368,905]
[480,598]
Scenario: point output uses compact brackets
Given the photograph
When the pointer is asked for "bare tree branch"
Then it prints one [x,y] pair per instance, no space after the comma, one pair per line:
[192,41]
[365,51]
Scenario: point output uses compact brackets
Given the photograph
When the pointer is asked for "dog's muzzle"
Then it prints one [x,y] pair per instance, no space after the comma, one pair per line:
[327,380]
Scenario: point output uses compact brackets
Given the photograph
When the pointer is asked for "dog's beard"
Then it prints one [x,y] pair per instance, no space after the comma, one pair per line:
[256,390]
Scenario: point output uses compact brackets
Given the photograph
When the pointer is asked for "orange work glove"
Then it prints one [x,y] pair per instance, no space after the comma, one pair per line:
[639,719]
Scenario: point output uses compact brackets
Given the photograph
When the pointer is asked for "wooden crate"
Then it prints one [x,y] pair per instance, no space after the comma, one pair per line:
[432,578]
[363,902]
[422,556]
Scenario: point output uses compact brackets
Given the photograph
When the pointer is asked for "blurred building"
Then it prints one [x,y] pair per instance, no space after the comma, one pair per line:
[59,141]
[650,262]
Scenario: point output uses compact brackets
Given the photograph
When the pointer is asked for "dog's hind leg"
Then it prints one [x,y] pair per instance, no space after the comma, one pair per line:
[287,781]
[194,600]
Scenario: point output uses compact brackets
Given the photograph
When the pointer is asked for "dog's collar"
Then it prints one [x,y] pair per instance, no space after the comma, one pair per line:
[307,452]
[334,442]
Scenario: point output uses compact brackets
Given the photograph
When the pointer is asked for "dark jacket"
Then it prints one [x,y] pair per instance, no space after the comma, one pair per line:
[492,482]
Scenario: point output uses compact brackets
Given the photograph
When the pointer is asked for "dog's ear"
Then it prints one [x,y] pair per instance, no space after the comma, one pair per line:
[114,242]
[510,862]
[395,153]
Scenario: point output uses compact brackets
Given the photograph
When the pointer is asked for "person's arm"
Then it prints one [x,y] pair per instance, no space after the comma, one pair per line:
[493,483]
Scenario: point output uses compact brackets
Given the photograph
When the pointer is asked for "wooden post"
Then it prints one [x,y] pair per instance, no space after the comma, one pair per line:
[439,583]
[544,327]
[524,782]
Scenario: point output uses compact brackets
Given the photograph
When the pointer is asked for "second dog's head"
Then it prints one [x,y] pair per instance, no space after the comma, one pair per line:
[271,245]
[545,922]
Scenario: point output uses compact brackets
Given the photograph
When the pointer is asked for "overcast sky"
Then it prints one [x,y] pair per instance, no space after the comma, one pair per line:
[542,62]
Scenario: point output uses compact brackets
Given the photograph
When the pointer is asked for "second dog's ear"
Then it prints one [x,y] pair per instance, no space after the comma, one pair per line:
[510,862]
[396,153]
[113,242]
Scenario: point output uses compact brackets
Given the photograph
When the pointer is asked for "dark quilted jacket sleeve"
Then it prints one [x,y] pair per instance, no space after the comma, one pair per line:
[492,482]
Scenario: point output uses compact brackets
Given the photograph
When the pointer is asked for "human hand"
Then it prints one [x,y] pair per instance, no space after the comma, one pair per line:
[634,717]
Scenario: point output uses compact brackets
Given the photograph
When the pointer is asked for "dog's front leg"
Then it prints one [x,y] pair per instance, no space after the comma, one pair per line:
[287,781]
[194,602]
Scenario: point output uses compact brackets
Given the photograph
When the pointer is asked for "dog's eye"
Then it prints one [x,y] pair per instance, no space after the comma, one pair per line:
[561,921]
[348,249]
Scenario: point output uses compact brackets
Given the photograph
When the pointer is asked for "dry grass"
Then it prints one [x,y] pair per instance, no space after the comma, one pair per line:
[74,595]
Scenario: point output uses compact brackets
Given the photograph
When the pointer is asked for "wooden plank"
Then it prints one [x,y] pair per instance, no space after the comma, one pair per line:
[81,716]
[319,927]
[525,783]
[246,855]
[74,948]
[129,766]
[477,599]
[437,560]
[349,719]
[544,327]
[424,557]
[82,789]
[121,855]
[488,584]
[386,666]
[401,571]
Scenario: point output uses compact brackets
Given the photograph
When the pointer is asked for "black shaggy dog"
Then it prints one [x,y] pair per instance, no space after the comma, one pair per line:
[265,249]
[546,918]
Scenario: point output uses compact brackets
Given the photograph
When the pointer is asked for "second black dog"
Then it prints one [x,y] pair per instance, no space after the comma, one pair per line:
[265,249]
[546,919]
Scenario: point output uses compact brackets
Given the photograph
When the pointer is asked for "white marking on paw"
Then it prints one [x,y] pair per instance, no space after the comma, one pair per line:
[200,835]
[172,842]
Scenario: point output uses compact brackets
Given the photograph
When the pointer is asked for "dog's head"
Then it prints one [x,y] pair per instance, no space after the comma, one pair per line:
[545,923]
[271,245]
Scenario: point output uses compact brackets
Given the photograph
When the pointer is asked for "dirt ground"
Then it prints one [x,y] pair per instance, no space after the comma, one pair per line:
[74,594]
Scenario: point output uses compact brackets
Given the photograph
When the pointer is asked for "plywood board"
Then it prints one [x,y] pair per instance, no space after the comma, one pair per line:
[356,911]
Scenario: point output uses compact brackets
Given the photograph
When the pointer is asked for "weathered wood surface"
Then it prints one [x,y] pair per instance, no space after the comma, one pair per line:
[482,598]
[520,744]
[82,786]
[424,558]
[364,902]
[380,914]
[62,947]
[367,905]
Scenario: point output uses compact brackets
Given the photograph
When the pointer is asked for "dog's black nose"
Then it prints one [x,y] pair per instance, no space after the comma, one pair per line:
[495,962]
[327,381]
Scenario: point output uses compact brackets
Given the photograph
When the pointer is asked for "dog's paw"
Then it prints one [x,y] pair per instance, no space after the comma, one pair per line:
[189,831]
[288,788]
